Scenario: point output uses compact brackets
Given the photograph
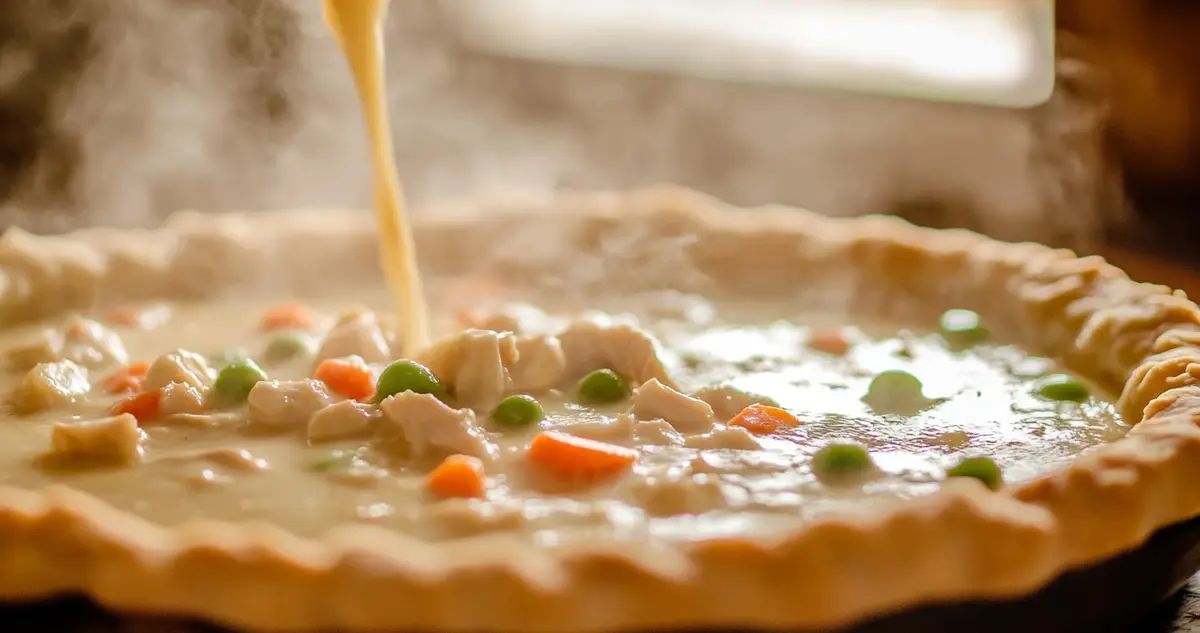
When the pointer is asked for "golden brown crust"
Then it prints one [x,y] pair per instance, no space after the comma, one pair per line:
[962,542]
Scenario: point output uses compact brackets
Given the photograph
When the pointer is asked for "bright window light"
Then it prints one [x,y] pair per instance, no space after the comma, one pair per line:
[998,51]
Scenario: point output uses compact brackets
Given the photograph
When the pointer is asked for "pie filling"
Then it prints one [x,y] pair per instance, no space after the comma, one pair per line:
[668,415]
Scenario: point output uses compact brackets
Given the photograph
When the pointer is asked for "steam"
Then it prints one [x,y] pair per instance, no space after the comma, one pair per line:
[165,118]
[161,118]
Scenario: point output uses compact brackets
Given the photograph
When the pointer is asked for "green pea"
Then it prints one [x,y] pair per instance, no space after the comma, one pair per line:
[517,411]
[602,386]
[406,375]
[839,462]
[286,346]
[982,468]
[1063,388]
[963,328]
[236,379]
[334,460]
[895,391]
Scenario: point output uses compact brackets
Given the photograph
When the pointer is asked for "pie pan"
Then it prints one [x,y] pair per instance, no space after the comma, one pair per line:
[962,544]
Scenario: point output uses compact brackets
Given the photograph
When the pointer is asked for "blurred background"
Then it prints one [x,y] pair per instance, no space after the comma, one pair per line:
[121,112]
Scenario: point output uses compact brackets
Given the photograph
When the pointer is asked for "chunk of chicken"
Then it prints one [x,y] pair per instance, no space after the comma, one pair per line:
[81,341]
[44,347]
[357,333]
[540,364]
[603,343]
[655,433]
[518,318]
[49,385]
[90,344]
[431,426]
[654,400]
[343,419]
[727,401]
[179,397]
[729,437]
[284,403]
[473,365]
[115,439]
[672,304]
[678,494]
[179,366]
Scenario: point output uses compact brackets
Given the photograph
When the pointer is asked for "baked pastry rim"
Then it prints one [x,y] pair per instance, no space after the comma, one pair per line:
[963,542]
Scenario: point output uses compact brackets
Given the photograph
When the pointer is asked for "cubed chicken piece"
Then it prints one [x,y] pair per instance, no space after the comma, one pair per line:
[679,494]
[49,385]
[179,397]
[356,334]
[728,437]
[727,401]
[655,433]
[518,318]
[115,439]
[473,365]
[673,304]
[88,343]
[602,343]
[432,427]
[284,403]
[540,364]
[341,420]
[44,347]
[654,400]
[179,366]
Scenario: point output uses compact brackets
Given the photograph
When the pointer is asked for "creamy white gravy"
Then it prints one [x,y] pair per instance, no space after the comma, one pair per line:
[686,481]
[684,485]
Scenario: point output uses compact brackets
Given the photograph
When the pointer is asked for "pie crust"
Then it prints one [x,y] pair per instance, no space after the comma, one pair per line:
[962,542]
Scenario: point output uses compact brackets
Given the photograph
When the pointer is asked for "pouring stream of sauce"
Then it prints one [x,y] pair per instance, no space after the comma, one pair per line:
[358,26]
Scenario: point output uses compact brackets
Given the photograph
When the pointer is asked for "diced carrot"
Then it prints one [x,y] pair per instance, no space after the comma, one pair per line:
[144,318]
[760,419]
[458,476]
[576,458]
[143,406]
[287,316]
[829,341]
[346,378]
[127,379]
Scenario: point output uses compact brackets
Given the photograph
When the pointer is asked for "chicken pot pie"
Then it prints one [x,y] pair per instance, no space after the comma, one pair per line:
[621,411]
[640,410]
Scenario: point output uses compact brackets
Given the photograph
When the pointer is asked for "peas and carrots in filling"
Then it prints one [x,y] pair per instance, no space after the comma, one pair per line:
[596,432]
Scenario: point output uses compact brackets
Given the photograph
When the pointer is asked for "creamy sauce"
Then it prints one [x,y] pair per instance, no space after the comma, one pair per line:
[686,484]
[358,25]
[293,453]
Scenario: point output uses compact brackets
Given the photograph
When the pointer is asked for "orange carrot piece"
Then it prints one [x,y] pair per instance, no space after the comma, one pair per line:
[575,458]
[143,406]
[127,317]
[458,476]
[127,379]
[760,419]
[287,316]
[829,341]
[346,378]
[143,318]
